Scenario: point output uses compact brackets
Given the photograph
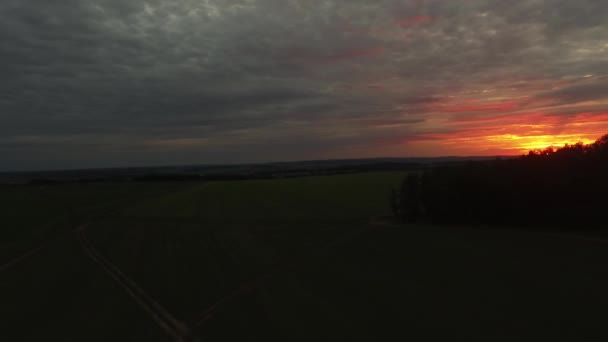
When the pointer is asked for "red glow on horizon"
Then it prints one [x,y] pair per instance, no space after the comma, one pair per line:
[352,29]
[513,134]
[420,19]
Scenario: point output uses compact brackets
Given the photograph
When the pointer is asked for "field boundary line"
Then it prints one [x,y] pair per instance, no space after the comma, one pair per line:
[178,330]
[379,222]
[576,237]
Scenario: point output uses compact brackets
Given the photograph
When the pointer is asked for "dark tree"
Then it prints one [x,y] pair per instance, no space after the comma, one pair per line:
[549,187]
[408,205]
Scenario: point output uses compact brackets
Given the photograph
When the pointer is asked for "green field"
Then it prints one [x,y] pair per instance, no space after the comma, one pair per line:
[300,259]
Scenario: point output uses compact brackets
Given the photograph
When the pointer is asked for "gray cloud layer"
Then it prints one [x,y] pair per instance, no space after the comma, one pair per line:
[115,82]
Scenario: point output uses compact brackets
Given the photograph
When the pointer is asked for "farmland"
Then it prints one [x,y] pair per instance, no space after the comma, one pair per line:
[294,259]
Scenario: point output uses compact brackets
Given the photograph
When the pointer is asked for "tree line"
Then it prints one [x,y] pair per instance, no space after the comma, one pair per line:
[567,186]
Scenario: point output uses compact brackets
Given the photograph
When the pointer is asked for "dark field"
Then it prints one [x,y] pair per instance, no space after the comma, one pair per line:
[301,259]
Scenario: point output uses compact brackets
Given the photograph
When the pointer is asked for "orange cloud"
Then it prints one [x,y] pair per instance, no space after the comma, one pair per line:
[514,133]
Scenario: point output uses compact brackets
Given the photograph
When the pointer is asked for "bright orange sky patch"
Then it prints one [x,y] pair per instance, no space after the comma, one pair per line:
[514,133]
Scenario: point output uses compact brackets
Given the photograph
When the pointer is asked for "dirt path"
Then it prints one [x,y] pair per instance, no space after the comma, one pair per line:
[178,330]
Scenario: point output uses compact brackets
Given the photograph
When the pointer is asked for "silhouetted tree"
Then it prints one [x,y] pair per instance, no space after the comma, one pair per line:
[564,186]
[409,201]
[394,200]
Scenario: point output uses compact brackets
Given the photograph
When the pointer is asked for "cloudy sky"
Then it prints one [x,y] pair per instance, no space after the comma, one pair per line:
[94,83]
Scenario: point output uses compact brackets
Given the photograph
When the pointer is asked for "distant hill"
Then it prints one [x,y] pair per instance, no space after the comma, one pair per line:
[220,172]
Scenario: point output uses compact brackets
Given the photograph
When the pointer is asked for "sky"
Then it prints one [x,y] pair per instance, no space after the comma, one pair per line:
[110,83]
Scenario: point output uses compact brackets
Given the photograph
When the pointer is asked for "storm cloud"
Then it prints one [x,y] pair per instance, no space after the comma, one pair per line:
[114,82]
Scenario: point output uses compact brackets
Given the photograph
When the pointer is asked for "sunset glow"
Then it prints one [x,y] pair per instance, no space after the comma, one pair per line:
[526,143]
[510,134]
[244,81]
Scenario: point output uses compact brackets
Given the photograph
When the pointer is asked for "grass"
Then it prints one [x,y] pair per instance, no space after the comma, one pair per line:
[191,244]
[341,197]
[211,237]
[33,214]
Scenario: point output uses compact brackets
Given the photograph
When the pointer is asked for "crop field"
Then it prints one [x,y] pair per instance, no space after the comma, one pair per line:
[299,259]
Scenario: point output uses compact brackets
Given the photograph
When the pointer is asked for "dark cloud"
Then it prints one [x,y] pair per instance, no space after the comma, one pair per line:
[579,92]
[119,82]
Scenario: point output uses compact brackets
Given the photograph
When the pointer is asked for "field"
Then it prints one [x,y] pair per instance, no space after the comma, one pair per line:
[300,259]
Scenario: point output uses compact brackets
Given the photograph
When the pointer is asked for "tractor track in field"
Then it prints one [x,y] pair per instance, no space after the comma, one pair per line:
[249,286]
[374,224]
[6,266]
[44,244]
[30,253]
[173,327]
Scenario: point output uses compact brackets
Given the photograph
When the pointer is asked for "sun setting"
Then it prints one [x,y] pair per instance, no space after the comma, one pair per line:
[532,142]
